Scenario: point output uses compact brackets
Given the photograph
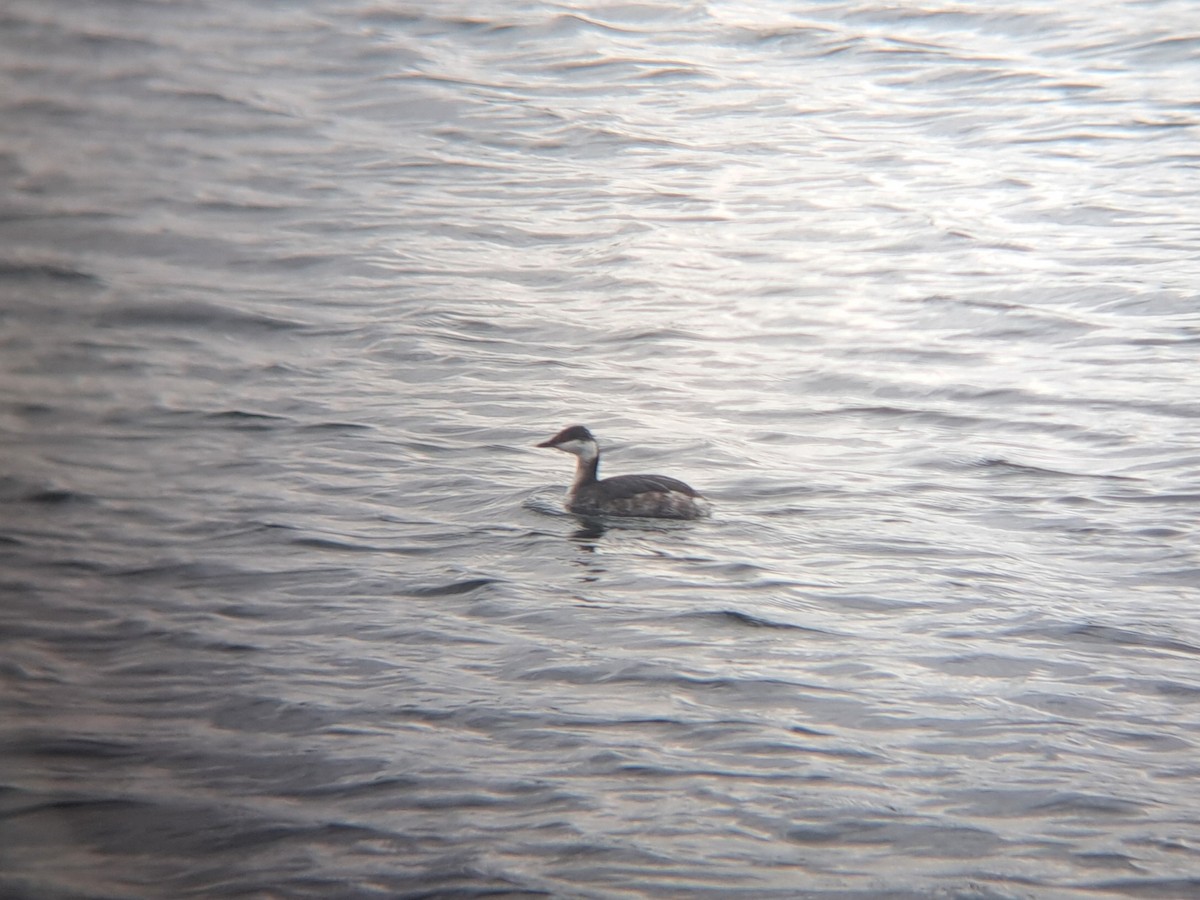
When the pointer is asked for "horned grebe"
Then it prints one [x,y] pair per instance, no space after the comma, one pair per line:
[652,496]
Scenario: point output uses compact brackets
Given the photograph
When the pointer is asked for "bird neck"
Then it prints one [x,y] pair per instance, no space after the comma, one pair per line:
[586,468]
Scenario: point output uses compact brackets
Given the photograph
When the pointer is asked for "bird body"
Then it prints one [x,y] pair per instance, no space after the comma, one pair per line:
[650,496]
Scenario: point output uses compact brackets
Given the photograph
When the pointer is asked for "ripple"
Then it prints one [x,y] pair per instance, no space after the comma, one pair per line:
[452,588]
[192,315]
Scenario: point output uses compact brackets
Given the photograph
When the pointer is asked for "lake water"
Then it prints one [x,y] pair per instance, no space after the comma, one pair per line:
[289,291]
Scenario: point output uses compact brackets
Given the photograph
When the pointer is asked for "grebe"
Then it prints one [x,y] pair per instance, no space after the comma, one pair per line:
[652,496]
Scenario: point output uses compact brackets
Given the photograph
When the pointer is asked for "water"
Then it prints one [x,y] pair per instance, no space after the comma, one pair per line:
[288,291]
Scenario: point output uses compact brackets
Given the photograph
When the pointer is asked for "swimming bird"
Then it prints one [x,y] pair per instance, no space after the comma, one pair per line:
[650,496]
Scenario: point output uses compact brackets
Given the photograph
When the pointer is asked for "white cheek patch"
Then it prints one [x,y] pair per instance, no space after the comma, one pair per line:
[585,449]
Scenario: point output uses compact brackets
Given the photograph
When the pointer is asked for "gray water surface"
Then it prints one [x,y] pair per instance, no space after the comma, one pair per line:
[289,291]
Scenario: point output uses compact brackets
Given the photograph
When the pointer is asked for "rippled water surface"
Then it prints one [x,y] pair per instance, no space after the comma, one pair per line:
[289,291]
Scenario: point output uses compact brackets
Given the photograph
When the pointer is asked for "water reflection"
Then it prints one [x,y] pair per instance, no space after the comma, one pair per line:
[590,531]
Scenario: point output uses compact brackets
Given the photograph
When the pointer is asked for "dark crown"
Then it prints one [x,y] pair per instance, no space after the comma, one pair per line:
[571,433]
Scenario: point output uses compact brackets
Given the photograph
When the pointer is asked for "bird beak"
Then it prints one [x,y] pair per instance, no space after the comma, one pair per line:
[549,443]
